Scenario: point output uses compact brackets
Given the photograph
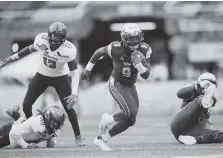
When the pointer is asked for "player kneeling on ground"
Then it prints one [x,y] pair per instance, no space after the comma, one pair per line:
[191,125]
[28,133]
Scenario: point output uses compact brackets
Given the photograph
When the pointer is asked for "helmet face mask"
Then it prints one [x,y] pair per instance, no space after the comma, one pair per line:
[57,33]
[131,36]
[55,117]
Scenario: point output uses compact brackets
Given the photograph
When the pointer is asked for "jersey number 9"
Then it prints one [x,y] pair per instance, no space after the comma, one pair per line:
[126,71]
[50,63]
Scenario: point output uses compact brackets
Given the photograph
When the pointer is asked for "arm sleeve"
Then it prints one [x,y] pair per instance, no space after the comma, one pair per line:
[75,81]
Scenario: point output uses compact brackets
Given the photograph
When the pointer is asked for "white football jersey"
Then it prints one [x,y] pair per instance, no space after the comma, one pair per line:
[53,63]
[32,129]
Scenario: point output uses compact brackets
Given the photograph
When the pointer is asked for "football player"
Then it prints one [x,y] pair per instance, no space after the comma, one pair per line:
[27,133]
[191,125]
[130,56]
[57,59]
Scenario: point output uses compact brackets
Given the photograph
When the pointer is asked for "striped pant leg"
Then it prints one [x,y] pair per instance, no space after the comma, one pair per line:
[124,97]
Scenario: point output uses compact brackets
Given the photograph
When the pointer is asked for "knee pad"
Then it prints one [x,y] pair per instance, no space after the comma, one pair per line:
[131,121]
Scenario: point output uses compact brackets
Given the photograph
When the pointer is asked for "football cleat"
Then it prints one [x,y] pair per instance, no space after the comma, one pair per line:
[14,112]
[102,144]
[79,141]
[187,140]
[103,126]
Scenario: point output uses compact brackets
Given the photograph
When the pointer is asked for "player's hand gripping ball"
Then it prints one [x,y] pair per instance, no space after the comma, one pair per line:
[85,75]
[137,57]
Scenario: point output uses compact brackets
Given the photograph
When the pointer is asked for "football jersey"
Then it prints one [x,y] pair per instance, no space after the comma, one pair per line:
[53,63]
[31,130]
[124,70]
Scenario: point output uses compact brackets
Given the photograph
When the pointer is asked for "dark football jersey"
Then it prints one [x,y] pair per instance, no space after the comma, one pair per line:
[123,69]
[195,93]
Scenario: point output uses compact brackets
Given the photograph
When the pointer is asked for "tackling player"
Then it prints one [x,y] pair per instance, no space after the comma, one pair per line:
[57,59]
[130,56]
[191,125]
[28,133]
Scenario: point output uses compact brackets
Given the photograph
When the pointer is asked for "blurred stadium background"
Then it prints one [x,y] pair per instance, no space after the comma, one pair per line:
[186,39]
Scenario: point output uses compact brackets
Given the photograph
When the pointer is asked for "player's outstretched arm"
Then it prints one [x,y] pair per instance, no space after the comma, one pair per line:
[25,51]
[98,54]
[16,135]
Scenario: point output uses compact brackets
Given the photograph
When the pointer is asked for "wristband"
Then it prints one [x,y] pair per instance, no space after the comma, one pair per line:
[89,66]
[140,68]
[15,56]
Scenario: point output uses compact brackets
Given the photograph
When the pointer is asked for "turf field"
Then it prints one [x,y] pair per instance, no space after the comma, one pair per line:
[150,137]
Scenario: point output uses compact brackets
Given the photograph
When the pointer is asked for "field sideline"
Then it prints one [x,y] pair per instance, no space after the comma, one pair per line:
[150,137]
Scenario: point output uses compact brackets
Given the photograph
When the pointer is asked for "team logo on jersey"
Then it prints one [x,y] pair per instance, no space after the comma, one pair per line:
[65,56]
[42,46]
[127,64]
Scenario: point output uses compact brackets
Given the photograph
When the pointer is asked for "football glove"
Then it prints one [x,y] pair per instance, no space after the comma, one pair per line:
[71,100]
[137,57]
[85,75]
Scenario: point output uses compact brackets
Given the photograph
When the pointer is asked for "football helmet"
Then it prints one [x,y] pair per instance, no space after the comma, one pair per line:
[54,118]
[57,33]
[208,76]
[131,36]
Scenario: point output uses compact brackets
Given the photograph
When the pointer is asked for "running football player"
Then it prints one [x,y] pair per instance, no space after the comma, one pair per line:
[27,133]
[57,59]
[130,56]
[191,125]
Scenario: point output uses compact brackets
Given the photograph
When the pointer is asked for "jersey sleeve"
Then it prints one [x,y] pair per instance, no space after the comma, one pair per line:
[39,42]
[69,53]
[112,46]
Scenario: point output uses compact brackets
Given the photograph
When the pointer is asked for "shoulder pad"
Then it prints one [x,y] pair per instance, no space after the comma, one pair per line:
[38,124]
[41,42]
[68,44]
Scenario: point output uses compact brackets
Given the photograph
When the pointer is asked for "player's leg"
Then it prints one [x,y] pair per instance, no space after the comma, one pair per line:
[201,136]
[4,135]
[187,117]
[125,96]
[121,120]
[63,88]
[36,87]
